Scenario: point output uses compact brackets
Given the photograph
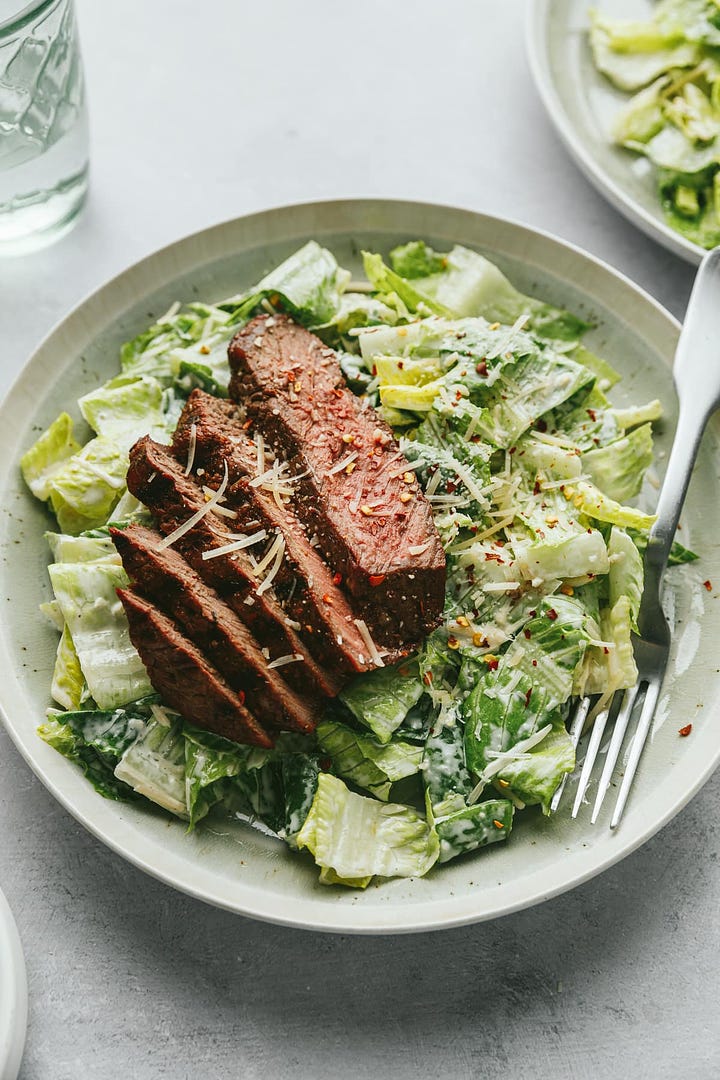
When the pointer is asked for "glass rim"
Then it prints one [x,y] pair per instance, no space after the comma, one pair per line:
[26,12]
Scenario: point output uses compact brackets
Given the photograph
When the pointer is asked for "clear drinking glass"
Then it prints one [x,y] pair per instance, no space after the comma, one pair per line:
[43,123]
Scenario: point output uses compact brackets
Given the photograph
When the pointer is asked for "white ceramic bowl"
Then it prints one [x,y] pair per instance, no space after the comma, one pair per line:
[13,995]
[236,867]
[582,104]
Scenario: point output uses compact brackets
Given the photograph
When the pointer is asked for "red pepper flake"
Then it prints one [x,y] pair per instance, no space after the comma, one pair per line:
[708,585]
[541,426]
[325,764]
[512,450]
[241,696]
[534,663]
[327,598]
[337,578]
[481,368]
[536,488]
[458,395]
[247,424]
[376,579]
[532,613]
[527,698]
[373,370]
[551,614]
[685,731]
[492,662]
[498,824]
[527,633]
[592,414]
[450,487]
[401,365]
[427,678]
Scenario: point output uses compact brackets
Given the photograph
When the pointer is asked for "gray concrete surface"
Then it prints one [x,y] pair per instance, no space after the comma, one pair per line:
[201,112]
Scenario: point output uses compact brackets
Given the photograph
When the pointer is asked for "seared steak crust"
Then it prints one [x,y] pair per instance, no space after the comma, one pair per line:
[185,678]
[165,578]
[374,523]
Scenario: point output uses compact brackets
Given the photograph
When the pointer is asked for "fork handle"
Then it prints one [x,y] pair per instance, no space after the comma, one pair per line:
[697,381]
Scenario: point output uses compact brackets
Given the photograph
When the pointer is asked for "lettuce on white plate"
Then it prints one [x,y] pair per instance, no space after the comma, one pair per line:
[47,457]
[96,621]
[365,762]
[358,838]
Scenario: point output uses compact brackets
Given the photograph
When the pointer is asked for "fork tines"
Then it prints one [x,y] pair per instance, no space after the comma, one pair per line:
[622,708]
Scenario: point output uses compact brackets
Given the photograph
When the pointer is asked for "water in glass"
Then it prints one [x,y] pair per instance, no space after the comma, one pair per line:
[43,123]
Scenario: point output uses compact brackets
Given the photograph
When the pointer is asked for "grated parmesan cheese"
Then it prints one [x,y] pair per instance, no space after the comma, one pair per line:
[371,646]
[347,460]
[290,658]
[191,449]
[242,541]
[504,758]
[212,502]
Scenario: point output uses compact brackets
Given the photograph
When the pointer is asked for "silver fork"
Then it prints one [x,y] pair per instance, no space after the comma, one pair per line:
[697,382]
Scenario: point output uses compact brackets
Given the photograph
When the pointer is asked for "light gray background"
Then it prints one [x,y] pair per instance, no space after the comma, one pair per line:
[206,110]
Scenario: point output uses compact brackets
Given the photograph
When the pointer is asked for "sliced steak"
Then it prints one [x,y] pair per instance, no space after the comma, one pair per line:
[312,597]
[185,678]
[158,480]
[374,523]
[164,577]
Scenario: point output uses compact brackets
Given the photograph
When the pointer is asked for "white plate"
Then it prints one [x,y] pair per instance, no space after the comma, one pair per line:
[236,867]
[582,104]
[13,995]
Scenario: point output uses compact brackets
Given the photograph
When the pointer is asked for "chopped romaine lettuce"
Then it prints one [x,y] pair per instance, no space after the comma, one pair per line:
[358,838]
[366,763]
[48,456]
[96,768]
[472,827]
[381,699]
[95,619]
[68,686]
[154,766]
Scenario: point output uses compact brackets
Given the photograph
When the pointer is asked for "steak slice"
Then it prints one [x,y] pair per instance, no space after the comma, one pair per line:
[373,521]
[165,578]
[312,597]
[183,676]
[158,481]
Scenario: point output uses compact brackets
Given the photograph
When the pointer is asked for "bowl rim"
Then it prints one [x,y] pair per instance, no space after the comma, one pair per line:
[536,38]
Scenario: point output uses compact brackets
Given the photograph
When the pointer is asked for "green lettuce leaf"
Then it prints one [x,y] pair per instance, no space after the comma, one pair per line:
[381,699]
[154,766]
[535,776]
[68,685]
[126,408]
[473,827]
[618,469]
[364,761]
[97,623]
[47,457]
[531,680]
[210,760]
[308,285]
[63,739]
[358,838]
[468,284]
[84,492]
